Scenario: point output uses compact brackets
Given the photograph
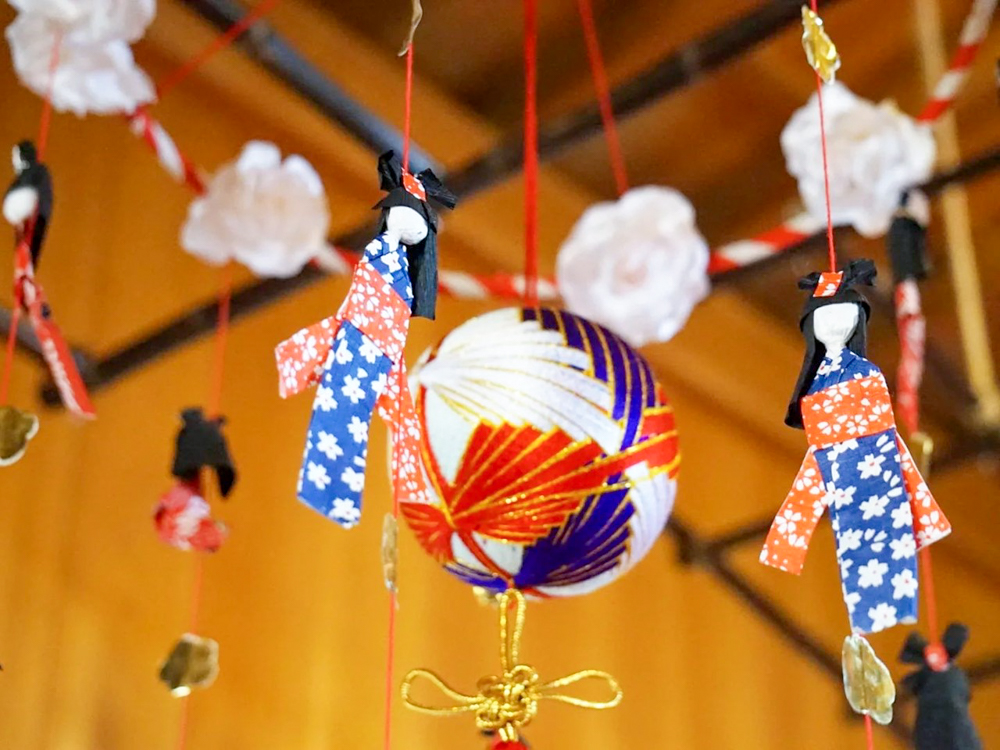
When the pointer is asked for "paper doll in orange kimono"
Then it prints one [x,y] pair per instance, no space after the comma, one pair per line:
[355,358]
[857,465]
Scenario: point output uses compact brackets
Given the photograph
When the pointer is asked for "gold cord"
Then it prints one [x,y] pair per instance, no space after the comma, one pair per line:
[504,703]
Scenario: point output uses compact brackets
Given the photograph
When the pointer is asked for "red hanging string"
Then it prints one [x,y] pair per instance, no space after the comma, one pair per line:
[600,76]
[869,733]
[390,662]
[230,35]
[531,153]
[407,107]
[826,165]
[221,337]
[930,600]
[8,361]
[44,125]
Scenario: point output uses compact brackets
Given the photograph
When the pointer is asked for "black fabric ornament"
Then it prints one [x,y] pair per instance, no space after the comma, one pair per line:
[201,444]
[907,243]
[400,187]
[856,273]
[32,186]
[942,692]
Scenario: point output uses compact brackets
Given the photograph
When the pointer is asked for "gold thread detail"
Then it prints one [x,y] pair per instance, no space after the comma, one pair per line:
[506,702]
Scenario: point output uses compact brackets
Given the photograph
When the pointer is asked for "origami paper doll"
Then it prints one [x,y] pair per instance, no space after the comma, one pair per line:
[356,356]
[182,517]
[27,206]
[942,692]
[856,465]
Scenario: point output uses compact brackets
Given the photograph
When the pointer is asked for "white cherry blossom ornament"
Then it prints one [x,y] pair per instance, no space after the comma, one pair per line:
[875,154]
[268,214]
[637,265]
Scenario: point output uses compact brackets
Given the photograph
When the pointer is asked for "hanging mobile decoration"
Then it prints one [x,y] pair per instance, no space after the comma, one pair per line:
[637,265]
[867,681]
[268,214]
[856,465]
[508,701]
[355,358]
[551,451]
[16,429]
[27,206]
[552,457]
[97,74]
[182,516]
[192,663]
[942,692]
[907,242]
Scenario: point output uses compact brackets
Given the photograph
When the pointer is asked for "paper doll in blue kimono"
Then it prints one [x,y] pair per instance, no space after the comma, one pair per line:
[857,466]
[355,358]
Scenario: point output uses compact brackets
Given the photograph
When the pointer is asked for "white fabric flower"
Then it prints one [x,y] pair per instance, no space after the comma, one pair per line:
[93,21]
[637,266]
[267,214]
[875,153]
[99,78]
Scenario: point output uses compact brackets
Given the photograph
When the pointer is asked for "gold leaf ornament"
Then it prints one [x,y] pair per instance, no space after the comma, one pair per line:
[867,682]
[390,551]
[16,429]
[192,663]
[821,52]
[506,702]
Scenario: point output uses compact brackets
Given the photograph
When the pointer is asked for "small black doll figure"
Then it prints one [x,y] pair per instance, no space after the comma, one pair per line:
[29,197]
[182,517]
[942,692]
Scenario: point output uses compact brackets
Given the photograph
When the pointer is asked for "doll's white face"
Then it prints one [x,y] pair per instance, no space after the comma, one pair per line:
[15,157]
[406,225]
[834,324]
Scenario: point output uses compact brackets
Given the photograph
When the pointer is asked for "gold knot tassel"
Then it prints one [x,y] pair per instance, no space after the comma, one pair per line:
[504,703]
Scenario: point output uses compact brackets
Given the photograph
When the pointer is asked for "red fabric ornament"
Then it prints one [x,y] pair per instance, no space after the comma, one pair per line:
[502,745]
[183,519]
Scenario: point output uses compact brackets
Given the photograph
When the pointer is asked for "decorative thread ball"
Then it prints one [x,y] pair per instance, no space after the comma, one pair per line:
[551,453]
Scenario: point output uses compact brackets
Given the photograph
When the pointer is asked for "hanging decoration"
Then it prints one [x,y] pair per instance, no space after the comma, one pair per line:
[27,206]
[355,358]
[857,465]
[192,663]
[942,692]
[867,681]
[509,701]
[97,73]
[875,154]
[637,266]
[551,452]
[907,243]
[182,516]
[268,214]
[16,429]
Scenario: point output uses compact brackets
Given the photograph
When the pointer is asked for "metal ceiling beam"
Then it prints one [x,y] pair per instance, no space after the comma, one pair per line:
[282,60]
[259,294]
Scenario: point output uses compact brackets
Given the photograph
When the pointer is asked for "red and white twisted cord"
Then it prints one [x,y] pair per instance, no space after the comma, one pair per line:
[977,23]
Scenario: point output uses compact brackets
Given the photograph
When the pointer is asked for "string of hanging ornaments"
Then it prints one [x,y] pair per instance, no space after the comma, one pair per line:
[571,442]
[857,465]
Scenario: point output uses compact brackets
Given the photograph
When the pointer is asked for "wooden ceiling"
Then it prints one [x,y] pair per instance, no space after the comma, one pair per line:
[90,601]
